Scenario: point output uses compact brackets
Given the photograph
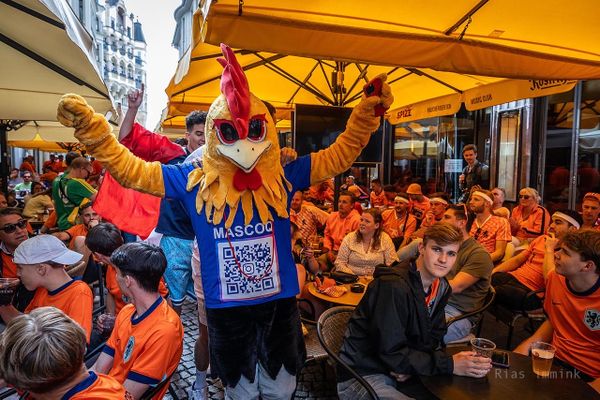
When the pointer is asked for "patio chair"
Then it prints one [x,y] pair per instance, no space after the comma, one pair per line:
[151,392]
[76,269]
[511,317]
[487,302]
[330,330]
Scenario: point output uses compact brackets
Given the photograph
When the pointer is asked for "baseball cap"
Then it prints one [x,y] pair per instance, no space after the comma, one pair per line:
[44,248]
[414,188]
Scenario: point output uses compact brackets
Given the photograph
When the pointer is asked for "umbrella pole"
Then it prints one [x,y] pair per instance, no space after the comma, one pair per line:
[5,126]
[4,169]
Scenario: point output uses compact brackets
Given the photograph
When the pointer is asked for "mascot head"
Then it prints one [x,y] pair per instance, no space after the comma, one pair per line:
[241,162]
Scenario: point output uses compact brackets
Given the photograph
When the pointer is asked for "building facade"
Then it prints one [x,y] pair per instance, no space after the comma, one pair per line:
[120,47]
[183,30]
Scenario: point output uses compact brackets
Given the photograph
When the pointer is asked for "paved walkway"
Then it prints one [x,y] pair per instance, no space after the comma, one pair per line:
[315,381]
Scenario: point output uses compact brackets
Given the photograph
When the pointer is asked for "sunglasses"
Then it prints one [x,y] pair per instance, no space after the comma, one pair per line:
[524,196]
[10,228]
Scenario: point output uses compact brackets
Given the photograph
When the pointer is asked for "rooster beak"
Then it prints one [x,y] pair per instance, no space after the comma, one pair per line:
[244,153]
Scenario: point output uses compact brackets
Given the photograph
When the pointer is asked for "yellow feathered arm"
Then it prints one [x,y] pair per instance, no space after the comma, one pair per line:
[338,157]
[95,133]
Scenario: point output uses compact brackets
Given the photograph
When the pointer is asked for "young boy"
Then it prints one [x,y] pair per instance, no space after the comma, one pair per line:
[572,304]
[42,352]
[398,326]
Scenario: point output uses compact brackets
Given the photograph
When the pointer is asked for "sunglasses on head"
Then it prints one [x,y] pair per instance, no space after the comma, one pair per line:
[524,196]
[10,228]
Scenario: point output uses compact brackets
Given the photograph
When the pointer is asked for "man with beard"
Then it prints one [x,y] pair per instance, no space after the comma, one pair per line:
[490,231]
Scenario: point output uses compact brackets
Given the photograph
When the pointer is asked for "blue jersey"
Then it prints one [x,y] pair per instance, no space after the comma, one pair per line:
[245,264]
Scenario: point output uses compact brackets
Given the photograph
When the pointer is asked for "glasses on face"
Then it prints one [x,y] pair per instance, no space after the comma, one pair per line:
[524,196]
[10,228]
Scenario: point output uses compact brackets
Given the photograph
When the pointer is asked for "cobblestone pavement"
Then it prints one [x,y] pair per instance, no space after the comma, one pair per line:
[316,381]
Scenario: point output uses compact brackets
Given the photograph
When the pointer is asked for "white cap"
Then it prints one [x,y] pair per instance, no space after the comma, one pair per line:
[44,248]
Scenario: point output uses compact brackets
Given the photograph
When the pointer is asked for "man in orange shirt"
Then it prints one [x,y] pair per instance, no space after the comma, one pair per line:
[572,304]
[419,204]
[398,222]
[13,232]
[590,210]
[377,196]
[338,225]
[77,233]
[518,276]
[41,264]
[42,352]
[146,344]
[490,231]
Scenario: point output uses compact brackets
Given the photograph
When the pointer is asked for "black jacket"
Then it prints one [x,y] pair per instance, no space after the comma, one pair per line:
[391,329]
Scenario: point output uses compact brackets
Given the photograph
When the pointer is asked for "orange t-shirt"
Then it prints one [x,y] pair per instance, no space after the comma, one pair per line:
[51,221]
[378,200]
[146,348]
[419,209]
[73,298]
[396,227]
[113,288]
[74,231]
[9,268]
[531,227]
[336,228]
[531,273]
[96,387]
[575,318]
[492,230]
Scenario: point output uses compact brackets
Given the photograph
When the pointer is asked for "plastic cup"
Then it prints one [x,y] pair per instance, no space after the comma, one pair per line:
[542,355]
[483,347]
[8,287]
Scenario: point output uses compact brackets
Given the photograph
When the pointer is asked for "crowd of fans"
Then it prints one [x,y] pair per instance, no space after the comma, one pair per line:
[428,260]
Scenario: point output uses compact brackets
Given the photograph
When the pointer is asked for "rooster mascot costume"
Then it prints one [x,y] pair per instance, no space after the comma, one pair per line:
[239,198]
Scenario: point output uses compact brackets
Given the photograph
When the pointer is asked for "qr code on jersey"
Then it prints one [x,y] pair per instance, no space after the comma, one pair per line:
[256,257]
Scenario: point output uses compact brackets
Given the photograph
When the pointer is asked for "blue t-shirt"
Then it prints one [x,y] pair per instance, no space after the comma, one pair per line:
[173,219]
[246,264]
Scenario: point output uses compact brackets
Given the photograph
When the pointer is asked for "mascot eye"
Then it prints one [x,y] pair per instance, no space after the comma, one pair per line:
[257,129]
[226,132]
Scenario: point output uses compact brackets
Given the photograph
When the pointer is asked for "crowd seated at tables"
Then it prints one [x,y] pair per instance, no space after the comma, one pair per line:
[535,261]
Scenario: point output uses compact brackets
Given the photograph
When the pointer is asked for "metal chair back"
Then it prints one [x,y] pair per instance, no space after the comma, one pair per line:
[331,327]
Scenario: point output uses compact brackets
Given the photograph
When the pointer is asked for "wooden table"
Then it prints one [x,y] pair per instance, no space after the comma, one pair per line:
[347,299]
[518,382]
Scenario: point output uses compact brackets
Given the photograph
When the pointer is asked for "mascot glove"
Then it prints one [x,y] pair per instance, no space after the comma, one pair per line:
[90,128]
[363,116]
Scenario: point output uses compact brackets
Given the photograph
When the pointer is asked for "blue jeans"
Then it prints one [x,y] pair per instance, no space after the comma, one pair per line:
[459,329]
[384,386]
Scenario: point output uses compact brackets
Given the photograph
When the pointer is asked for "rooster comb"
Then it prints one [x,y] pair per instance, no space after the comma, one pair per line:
[234,86]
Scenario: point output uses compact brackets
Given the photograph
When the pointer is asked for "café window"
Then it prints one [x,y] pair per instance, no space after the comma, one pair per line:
[509,130]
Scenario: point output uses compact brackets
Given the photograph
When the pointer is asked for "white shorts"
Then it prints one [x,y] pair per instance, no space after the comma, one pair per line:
[197,278]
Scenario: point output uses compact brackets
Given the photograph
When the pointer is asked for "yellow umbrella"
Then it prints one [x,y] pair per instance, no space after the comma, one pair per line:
[509,38]
[37,142]
[288,80]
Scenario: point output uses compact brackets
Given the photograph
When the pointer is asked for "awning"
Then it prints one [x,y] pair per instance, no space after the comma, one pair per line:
[480,97]
[288,80]
[45,52]
[516,39]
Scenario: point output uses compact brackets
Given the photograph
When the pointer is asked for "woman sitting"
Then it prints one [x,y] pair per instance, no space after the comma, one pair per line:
[529,219]
[39,202]
[366,247]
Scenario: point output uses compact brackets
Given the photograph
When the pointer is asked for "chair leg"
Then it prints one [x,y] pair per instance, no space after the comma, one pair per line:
[480,325]
[509,338]
[172,392]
